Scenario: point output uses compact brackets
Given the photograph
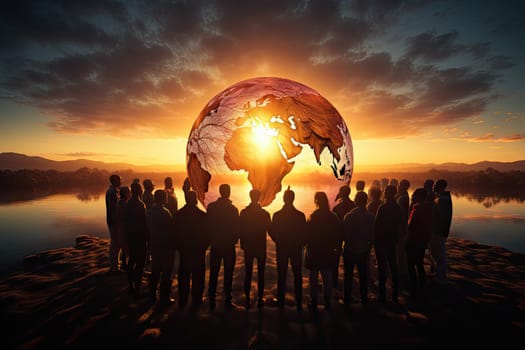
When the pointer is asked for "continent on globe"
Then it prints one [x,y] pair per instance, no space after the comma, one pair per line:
[260,126]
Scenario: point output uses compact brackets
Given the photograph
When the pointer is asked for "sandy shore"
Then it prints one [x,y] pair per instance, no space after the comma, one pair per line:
[67,298]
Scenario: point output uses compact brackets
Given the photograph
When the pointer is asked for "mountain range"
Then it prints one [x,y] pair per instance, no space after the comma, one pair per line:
[17,161]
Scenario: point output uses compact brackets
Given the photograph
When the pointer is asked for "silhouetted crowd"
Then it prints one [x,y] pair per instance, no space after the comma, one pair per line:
[147,227]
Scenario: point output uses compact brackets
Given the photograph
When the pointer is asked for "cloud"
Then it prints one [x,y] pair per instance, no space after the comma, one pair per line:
[430,46]
[491,137]
[135,68]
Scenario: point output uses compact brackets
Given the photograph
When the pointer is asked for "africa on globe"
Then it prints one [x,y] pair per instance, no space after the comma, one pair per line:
[260,126]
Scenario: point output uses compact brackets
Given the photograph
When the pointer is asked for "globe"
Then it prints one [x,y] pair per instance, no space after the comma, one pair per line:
[262,127]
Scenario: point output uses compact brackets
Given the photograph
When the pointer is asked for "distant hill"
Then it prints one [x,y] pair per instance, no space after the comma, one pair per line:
[450,166]
[17,161]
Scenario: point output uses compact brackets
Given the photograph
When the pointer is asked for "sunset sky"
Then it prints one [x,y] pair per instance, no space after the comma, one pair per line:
[123,81]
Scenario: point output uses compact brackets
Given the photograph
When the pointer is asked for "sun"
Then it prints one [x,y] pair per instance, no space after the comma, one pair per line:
[263,136]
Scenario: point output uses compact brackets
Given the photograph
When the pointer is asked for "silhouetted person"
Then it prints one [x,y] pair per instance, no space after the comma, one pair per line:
[360,186]
[323,235]
[193,240]
[288,231]
[419,227]
[428,185]
[393,182]
[254,224]
[162,246]
[442,218]
[358,233]
[122,247]
[384,183]
[186,186]
[172,205]
[147,196]
[386,236]
[403,200]
[112,198]
[375,200]
[344,205]
[223,221]
[137,238]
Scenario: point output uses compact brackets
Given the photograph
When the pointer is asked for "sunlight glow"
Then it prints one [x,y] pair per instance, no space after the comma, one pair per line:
[263,136]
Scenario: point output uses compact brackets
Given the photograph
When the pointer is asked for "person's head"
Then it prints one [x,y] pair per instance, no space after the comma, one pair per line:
[148,185]
[384,182]
[161,197]
[404,185]
[375,193]
[440,186]
[360,185]
[390,192]
[360,199]
[191,197]
[168,182]
[376,183]
[136,189]
[255,195]
[427,185]
[186,186]
[419,195]
[344,192]
[125,192]
[224,190]
[115,180]
[136,180]
[288,196]
[321,200]
[394,183]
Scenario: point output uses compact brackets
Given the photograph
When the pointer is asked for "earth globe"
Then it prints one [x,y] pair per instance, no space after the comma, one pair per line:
[263,127]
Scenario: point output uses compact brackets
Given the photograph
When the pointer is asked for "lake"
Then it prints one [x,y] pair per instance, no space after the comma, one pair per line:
[51,221]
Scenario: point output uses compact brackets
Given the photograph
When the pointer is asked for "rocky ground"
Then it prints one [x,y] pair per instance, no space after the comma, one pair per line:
[68,298]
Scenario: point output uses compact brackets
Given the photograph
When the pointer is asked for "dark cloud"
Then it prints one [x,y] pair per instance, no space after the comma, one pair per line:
[432,47]
[126,67]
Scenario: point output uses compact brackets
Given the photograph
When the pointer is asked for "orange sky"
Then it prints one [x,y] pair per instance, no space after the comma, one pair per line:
[442,84]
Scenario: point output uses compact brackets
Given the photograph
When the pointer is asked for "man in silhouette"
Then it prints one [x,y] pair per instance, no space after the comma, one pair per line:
[223,223]
[344,205]
[442,218]
[288,232]
[386,235]
[358,234]
[193,240]
[147,196]
[112,198]
[137,237]
[403,200]
[122,247]
[254,224]
[172,199]
[323,234]
[419,227]
[162,246]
